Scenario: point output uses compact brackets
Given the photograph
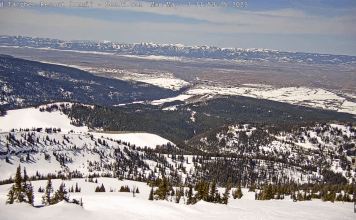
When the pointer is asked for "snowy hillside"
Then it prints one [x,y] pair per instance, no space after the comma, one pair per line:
[301,162]
[34,118]
[309,146]
[122,205]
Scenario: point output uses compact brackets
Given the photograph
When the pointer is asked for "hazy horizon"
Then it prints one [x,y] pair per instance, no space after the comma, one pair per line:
[320,26]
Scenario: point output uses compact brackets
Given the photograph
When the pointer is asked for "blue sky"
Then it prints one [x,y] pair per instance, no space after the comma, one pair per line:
[317,26]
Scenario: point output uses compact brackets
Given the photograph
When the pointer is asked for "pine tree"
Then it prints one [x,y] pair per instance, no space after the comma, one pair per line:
[29,194]
[225,198]
[77,189]
[202,189]
[190,195]
[268,192]
[179,193]
[102,188]
[238,193]
[46,198]
[212,191]
[150,197]
[226,193]
[162,190]
[218,197]
[61,194]
[18,189]
[11,195]
[27,188]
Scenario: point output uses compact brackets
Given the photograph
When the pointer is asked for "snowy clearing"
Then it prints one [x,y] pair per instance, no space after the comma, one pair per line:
[172,99]
[32,117]
[138,139]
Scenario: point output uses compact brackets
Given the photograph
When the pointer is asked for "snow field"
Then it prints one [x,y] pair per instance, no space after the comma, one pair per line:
[122,205]
[33,118]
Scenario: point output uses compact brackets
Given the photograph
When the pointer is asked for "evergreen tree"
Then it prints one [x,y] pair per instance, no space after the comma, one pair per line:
[190,195]
[212,197]
[29,194]
[218,197]
[226,193]
[77,189]
[27,188]
[202,189]
[46,198]
[11,195]
[61,194]
[162,190]
[150,197]
[102,188]
[179,193]
[18,189]
[225,198]
[238,193]
[268,192]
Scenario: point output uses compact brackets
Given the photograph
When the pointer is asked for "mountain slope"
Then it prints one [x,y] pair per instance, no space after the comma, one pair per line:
[25,82]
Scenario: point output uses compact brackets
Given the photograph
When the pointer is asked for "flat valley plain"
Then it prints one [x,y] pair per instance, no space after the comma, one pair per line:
[338,79]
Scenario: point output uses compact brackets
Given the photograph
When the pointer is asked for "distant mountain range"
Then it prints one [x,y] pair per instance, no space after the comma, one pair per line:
[178,50]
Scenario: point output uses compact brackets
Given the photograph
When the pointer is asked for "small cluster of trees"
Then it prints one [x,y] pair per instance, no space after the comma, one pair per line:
[125,189]
[22,190]
[60,195]
[76,189]
[268,193]
[204,191]
[329,192]
[100,189]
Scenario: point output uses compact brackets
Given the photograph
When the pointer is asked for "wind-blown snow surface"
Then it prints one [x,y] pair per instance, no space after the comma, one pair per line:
[139,139]
[34,118]
[121,205]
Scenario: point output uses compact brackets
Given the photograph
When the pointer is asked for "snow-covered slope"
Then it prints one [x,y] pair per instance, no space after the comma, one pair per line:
[34,118]
[121,205]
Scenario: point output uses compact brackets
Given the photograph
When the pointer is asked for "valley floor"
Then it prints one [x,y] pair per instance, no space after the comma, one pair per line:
[121,205]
